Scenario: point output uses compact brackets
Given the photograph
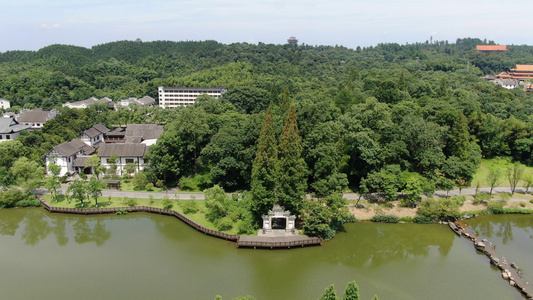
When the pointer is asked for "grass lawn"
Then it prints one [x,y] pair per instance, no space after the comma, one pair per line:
[499,163]
[198,217]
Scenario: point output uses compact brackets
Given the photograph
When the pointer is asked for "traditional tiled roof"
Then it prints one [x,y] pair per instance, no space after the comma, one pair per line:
[70,148]
[9,125]
[88,101]
[81,161]
[146,101]
[122,150]
[101,128]
[492,47]
[92,132]
[146,131]
[523,68]
[35,116]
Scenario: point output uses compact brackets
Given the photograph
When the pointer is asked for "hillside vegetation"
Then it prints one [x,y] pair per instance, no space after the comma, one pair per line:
[384,119]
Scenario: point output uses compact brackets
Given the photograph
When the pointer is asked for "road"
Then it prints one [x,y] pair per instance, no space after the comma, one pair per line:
[177,195]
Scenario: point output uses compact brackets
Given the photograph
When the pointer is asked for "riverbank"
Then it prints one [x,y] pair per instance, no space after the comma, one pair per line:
[521,201]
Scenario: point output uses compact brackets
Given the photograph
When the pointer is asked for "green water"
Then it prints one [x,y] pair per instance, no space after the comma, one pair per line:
[512,235]
[143,256]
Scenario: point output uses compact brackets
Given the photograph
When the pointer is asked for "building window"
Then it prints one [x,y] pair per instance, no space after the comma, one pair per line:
[110,161]
[8,137]
[129,160]
[1,136]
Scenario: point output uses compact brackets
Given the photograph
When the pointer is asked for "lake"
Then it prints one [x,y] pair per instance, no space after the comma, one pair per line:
[145,256]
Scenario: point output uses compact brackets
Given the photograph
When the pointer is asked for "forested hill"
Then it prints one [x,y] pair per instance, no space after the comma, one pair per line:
[385,118]
[60,73]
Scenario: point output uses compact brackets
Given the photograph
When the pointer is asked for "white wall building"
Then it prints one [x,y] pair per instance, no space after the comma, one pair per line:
[172,97]
[85,103]
[127,153]
[4,104]
[64,155]
[36,118]
[10,129]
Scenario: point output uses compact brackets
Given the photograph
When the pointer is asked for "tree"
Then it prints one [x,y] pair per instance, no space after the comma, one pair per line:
[352,292]
[329,294]
[292,169]
[264,169]
[28,173]
[528,181]
[460,137]
[52,183]
[95,162]
[94,188]
[77,190]
[514,175]
[446,184]
[216,203]
[493,178]
[113,161]
[140,181]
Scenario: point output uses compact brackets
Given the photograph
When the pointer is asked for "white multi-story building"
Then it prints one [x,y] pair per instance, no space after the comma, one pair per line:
[171,97]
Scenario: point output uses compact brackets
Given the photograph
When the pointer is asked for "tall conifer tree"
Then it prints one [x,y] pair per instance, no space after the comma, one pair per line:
[264,169]
[292,169]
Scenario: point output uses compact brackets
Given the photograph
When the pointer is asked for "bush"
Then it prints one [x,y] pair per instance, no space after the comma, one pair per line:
[11,197]
[168,204]
[522,204]
[422,220]
[385,219]
[149,187]
[246,227]
[439,209]
[407,219]
[189,207]
[224,224]
[28,203]
[495,207]
[459,200]
[129,202]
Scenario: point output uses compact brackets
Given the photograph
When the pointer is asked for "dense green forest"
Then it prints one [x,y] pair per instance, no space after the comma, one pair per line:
[390,118]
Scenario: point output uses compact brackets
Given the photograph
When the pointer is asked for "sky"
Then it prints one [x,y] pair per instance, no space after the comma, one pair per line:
[33,24]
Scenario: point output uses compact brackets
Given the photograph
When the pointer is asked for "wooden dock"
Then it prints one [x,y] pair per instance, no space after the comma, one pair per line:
[278,241]
[510,272]
[242,241]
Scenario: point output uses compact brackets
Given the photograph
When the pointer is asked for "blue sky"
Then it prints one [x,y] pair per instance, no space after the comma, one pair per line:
[33,24]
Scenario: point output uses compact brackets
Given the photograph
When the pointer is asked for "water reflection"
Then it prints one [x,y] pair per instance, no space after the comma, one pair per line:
[501,226]
[37,224]
[370,244]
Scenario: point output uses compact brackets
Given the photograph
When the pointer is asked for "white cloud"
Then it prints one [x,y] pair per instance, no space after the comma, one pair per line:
[49,27]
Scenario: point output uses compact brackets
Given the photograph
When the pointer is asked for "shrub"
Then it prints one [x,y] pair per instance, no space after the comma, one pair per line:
[522,204]
[121,212]
[28,203]
[189,207]
[246,227]
[11,197]
[531,201]
[439,209]
[129,202]
[224,224]
[422,220]
[149,187]
[495,207]
[385,219]
[407,219]
[168,204]
[459,200]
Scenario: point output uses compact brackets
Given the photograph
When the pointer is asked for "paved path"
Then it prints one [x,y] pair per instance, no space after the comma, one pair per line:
[175,194]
